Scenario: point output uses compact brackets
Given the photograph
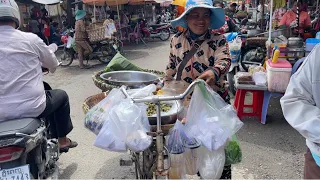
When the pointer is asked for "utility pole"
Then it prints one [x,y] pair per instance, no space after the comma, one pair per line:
[69,13]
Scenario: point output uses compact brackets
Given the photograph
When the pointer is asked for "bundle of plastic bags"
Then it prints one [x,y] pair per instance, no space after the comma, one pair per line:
[119,123]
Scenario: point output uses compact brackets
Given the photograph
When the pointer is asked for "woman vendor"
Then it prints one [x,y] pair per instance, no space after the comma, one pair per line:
[198,52]
[289,19]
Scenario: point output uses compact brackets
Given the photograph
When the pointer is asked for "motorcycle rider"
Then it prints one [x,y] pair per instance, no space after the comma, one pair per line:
[81,36]
[22,93]
[232,10]
[229,24]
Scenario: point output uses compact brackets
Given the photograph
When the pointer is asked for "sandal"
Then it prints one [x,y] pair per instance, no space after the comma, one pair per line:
[87,66]
[72,144]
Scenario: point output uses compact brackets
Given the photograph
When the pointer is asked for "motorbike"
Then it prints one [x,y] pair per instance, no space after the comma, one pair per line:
[27,150]
[156,31]
[103,51]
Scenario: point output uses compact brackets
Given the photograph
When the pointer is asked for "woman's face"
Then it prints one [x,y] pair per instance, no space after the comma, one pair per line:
[294,7]
[198,20]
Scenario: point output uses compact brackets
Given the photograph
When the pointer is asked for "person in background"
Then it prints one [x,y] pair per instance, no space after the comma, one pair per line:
[54,33]
[34,25]
[289,19]
[46,29]
[229,25]
[301,108]
[231,11]
[210,62]
[82,40]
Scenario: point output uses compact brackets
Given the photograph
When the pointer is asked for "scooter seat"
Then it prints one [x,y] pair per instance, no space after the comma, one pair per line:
[23,125]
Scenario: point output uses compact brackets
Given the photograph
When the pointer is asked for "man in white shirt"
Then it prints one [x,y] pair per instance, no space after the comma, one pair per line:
[301,108]
[22,91]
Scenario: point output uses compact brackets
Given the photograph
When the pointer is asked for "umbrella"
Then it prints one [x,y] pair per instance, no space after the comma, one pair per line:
[179,2]
[47,1]
[102,2]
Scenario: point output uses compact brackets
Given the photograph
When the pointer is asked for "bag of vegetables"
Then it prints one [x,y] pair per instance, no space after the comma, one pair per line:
[233,152]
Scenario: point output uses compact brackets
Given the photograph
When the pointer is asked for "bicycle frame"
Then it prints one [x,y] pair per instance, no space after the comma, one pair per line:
[160,171]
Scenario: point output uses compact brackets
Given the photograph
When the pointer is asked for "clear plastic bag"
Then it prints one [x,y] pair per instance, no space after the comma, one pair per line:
[210,119]
[125,127]
[95,117]
[233,151]
[192,161]
[212,163]
[177,166]
[175,143]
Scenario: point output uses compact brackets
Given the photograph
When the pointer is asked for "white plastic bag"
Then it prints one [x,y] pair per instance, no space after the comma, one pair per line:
[212,163]
[192,161]
[210,119]
[125,127]
[177,166]
[145,91]
[96,116]
[260,78]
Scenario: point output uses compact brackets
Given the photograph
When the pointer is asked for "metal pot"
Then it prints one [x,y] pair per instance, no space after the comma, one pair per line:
[295,53]
[295,42]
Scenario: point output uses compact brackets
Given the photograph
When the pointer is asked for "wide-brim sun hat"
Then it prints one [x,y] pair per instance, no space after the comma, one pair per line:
[217,19]
[80,14]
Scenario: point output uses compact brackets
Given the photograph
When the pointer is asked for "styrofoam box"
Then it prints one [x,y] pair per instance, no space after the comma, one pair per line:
[278,75]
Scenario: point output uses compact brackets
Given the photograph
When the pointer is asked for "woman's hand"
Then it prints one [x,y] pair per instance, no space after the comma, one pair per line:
[209,77]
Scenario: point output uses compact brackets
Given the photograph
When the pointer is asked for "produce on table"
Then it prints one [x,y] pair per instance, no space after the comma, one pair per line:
[152,108]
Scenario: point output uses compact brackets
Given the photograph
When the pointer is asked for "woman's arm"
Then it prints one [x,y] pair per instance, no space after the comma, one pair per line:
[171,68]
[222,58]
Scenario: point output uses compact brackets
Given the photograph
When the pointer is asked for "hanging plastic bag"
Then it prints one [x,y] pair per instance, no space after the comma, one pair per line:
[233,151]
[210,119]
[192,161]
[212,163]
[177,166]
[95,117]
[175,143]
[125,127]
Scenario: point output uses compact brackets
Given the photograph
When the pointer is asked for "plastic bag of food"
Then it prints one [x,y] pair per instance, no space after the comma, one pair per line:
[212,163]
[177,166]
[125,127]
[192,161]
[233,151]
[120,63]
[210,119]
[96,116]
[175,144]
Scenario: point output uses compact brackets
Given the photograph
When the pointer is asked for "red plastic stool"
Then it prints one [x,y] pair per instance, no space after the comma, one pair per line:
[256,106]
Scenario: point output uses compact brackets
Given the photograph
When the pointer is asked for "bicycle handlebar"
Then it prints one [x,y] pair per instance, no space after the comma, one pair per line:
[157,99]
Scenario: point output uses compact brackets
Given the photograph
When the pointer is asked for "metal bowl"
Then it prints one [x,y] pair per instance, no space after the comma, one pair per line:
[169,117]
[130,78]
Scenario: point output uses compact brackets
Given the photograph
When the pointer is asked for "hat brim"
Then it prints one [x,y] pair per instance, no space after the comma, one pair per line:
[217,19]
[80,16]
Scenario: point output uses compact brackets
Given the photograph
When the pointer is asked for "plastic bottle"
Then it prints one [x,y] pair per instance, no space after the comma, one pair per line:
[274,48]
[318,35]
[275,56]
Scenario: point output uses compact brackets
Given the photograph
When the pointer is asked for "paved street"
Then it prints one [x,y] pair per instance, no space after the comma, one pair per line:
[274,150]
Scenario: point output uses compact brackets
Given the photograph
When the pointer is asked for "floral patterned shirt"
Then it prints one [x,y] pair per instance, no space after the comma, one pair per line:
[212,54]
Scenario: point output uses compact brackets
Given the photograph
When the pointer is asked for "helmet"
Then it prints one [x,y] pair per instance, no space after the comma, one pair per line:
[9,10]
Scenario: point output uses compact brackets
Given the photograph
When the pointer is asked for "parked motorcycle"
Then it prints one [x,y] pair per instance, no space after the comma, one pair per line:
[156,31]
[103,51]
[27,150]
